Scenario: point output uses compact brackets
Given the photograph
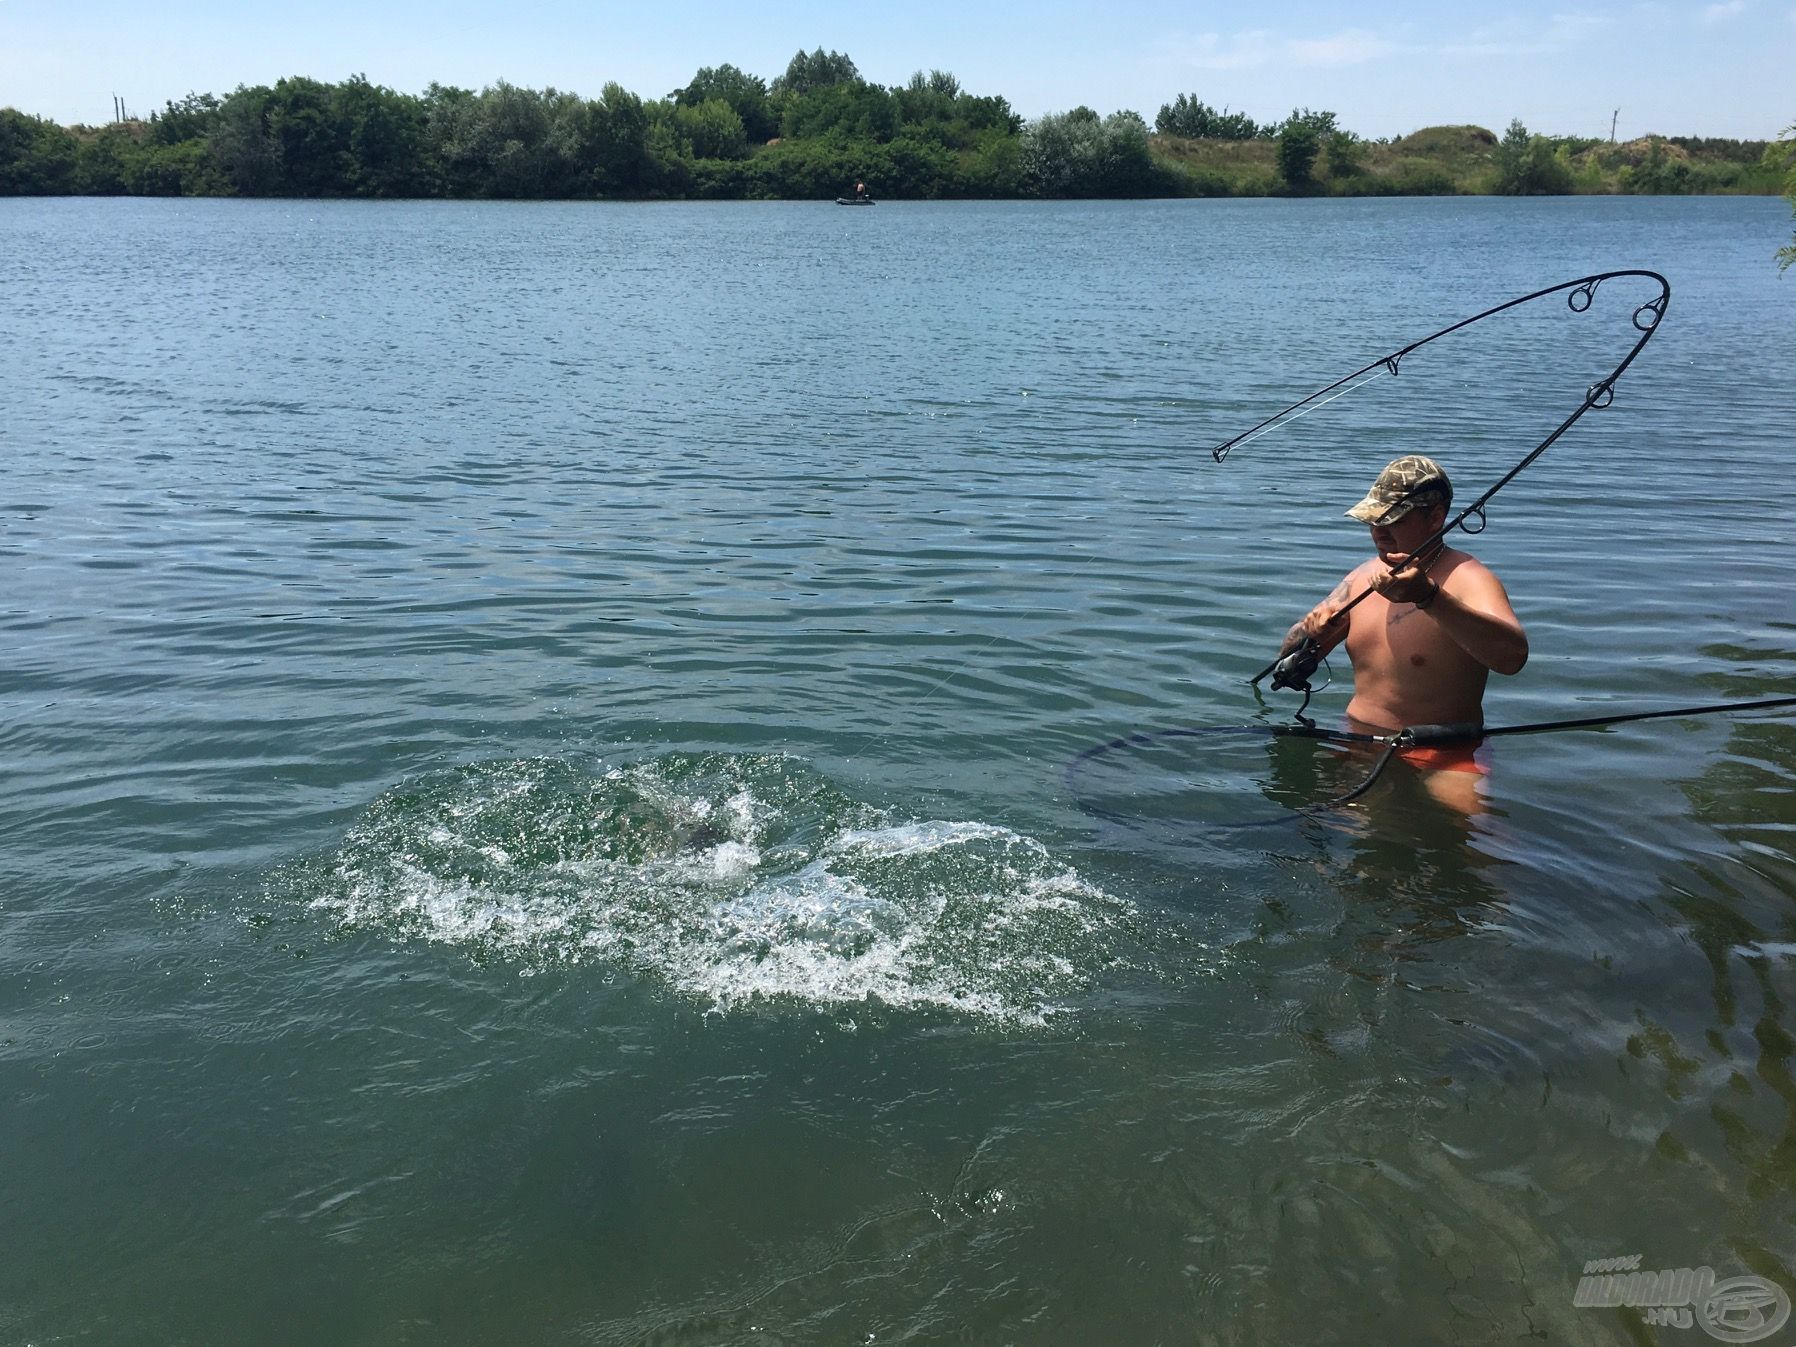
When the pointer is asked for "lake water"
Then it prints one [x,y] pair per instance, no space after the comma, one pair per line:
[535,786]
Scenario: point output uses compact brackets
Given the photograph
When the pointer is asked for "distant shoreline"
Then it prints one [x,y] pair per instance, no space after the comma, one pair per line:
[811,134]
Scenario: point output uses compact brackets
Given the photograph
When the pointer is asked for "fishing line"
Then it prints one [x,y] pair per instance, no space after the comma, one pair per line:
[1583,290]
[1293,668]
[1392,745]
[1646,319]
[1267,428]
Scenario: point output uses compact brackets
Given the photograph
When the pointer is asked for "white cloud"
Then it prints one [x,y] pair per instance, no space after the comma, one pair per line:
[1721,13]
[1263,47]
[1350,47]
[1213,51]
[1523,37]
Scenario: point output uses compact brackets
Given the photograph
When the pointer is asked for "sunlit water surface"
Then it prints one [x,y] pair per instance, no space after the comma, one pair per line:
[535,787]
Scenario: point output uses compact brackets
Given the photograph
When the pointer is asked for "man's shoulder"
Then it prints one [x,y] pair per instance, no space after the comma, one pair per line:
[1455,562]
[1467,575]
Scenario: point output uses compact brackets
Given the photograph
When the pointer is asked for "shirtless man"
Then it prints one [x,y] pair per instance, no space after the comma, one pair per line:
[1424,642]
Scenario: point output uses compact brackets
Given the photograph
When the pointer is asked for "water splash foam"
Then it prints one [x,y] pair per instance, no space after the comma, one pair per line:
[730,878]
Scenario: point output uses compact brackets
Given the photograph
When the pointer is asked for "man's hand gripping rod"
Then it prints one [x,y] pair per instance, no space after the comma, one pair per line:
[1293,668]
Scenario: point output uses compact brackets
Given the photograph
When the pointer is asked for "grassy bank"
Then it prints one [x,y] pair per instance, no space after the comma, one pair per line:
[1462,160]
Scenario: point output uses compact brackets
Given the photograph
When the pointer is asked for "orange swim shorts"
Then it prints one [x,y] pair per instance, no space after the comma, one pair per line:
[1448,758]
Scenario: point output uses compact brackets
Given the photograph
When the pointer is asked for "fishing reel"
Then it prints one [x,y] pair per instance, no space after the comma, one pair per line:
[1295,669]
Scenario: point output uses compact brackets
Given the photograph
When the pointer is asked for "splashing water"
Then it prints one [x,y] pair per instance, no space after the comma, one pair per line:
[731,878]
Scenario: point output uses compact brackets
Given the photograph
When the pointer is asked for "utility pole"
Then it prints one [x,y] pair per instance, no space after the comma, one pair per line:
[1612,121]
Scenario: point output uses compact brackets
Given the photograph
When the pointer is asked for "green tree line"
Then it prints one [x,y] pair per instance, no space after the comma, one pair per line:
[814,129]
[811,132]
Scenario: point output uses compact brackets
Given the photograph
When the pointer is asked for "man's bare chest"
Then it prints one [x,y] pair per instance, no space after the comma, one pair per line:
[1398,637]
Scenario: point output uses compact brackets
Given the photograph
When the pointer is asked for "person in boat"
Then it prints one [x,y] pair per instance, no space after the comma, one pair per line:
[1434,628]
[860,191]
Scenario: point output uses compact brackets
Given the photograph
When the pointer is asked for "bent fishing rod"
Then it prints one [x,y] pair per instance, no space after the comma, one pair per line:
[1292,669]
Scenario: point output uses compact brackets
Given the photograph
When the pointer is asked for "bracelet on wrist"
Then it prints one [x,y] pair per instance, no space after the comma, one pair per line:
[1434,592]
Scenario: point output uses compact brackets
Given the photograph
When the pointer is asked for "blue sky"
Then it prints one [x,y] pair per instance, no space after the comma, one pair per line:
[1722,68]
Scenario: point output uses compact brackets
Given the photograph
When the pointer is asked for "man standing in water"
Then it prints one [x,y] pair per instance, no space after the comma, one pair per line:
[1426,639]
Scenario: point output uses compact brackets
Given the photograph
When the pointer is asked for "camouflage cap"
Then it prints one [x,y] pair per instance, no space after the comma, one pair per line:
[1406,484]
